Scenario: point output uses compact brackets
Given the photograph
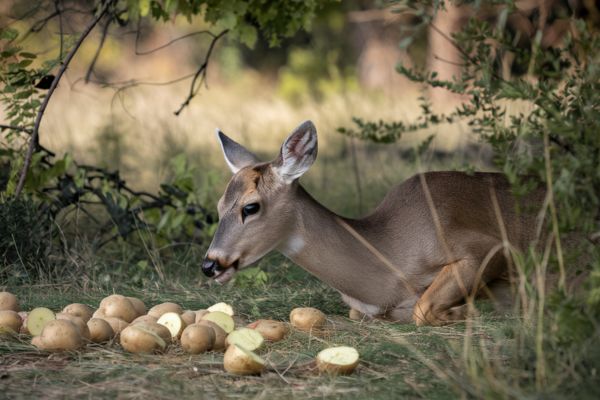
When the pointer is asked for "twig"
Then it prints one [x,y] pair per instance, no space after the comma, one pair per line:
[88,74]
[200,73]
[187,35]
[35,134]
[60,29]
[28,131]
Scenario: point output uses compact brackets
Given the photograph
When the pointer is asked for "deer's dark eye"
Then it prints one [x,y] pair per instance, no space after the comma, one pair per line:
[249,209]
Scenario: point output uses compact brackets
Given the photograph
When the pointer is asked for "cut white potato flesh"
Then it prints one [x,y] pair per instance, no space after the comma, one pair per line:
[38,318]
[240,361]
[246,338]
[340,360]
[220,318]
[173,322]
[223,307]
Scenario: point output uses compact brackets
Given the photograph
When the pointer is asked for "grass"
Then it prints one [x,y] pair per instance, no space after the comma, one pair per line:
[389,368]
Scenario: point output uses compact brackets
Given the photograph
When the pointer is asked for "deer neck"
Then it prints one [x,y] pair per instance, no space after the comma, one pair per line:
[322,243]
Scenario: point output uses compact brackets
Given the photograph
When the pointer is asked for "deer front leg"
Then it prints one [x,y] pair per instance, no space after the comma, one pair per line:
[443,301]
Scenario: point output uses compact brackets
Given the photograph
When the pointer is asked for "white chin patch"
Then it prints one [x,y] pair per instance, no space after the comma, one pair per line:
[226,275]
[293,246]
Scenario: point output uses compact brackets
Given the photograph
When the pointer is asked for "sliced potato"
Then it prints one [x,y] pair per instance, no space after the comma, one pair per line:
[38,318]
[220,318]
[82,311]
[307,319]
[338,360]
[173,322]
[144,319]
[118,306]
[100,330]
[136,339]
[10,322]
[197,338]
[158,310]
[59,335]
[140,307]
[200,314]
[9,301]
[271,330]
[78,322]
[246,338]
[220,334]
[117,324]
[189,317]
[240,361]
[223,307]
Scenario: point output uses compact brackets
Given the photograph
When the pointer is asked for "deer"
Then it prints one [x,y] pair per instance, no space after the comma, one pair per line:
[435,242]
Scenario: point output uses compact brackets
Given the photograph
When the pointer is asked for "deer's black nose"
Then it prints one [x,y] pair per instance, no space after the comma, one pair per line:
[209,267]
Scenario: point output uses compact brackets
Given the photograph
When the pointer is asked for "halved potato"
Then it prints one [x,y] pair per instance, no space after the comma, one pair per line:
[246,338]
[240,361]
[59,335]
[38,318]
[9,301]
[82,311]
[338,360]
[307,319]
[118,306]
[271,330]
[197,338]
[223,307]
[158,310]
[100,330]
[220,318]
[10,322]
[220,334]
[173,322]
[136,339]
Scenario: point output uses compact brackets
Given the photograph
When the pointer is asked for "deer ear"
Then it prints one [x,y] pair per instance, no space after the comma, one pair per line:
[298,153]
[236,155]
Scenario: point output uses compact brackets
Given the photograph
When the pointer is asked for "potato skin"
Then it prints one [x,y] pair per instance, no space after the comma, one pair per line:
[307,319]
[135,339]
[271,330]
[117,324]
[82,311]
[197,338]
[144,319]
[59,335]
[138,305]
[100,330]
[78,322]
[200,314]
[24,330]
[118,306]
[9,302]
[220,334]
[189,317]
[158,310]
[10,320]
[159,329]
[236,361]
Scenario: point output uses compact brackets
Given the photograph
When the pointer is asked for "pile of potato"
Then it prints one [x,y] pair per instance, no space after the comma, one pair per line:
[140,330]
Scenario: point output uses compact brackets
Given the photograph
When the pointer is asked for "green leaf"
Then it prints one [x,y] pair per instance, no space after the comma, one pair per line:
[144,7]
[248,35]
[8,34]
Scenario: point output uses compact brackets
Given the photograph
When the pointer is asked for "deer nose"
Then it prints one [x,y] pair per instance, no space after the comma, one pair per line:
[209,266]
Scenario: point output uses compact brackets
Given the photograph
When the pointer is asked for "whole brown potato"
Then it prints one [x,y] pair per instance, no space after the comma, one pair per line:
[220,334]
[189,317]
[10,321]
[117,324]
[100,330]
[140,307]
[136,339]
[197,338]
[242,362]
[144,319]
[78,322]
[158,310]
[59,335]
[271,330]
[8,301]
[307,319]
[157,328]
[82,311]
[118,306]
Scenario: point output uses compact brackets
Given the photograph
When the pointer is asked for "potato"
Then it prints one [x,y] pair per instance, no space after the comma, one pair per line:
[38,318]
[98,314]
[246,338]
[10,322]
[144,319]
[189,317]
[140,307]
[223,307]
[118,306]
[240,361]
[338,360]
[197,338]
[159,329]
[220,334]
[200,314]
[59,335]
[270,330]
[220,318]
[23,330]
[80,310]
[117,324]
[78,322]
[158,310]
[307,319]
[100,330]
[8,301]
[136,339]
[173,322]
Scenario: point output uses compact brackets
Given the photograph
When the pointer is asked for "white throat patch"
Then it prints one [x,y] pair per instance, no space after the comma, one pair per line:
[293,246]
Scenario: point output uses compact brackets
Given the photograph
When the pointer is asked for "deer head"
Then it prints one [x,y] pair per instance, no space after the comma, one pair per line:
[258,211]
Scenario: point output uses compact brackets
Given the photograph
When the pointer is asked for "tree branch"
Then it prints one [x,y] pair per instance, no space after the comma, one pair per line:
[146,52]
[90,70]
[200,73]
[33,142]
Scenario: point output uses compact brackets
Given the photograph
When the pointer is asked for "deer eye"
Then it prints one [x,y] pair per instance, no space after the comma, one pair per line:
[249,209]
